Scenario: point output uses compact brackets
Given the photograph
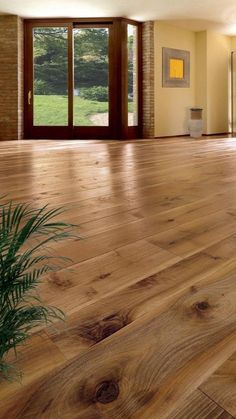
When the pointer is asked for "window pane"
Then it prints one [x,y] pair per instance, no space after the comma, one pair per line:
[50,49]
[91,76]
[132,75]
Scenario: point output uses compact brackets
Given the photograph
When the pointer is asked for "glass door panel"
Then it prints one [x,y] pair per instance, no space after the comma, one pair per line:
[132,38]
[91,76]
[50,76]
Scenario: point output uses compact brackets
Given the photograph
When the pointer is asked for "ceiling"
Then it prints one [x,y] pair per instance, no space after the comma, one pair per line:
[219,15]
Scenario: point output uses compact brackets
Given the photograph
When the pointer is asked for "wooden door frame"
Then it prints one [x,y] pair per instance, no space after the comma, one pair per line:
[129,132]
[118,91]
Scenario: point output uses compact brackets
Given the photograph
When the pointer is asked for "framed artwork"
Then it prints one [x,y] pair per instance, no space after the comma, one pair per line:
[175,68]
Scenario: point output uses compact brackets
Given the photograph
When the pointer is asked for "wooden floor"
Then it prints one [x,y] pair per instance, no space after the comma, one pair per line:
[151,295]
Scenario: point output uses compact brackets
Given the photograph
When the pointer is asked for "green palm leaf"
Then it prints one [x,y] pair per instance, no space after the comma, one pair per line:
[24,233]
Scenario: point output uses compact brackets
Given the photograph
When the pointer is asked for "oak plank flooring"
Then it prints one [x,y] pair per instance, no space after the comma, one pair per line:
[199,406]
[150,295]
[111,313]
[221,386]
[39,350]
[151,369]
[101,276]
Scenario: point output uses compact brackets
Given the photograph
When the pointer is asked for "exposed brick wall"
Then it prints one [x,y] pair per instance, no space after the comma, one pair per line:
[20,78]
[11,78]
[148,79]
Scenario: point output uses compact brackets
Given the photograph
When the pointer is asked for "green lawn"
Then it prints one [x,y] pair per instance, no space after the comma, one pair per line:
[53,110]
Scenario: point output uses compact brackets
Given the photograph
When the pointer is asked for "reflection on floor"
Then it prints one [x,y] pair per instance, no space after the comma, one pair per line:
[150,298]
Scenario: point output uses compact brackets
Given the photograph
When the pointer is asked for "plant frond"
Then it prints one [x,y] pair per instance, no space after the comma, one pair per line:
[24,233]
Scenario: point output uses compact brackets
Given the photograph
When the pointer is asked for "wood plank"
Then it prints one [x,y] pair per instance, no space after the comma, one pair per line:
[162,285]
[159,220]
[199,406]
[149,368]
[194,236]
[221,386]
[37,357]
[181,241]
[97,277]
[94,322]
[103,276]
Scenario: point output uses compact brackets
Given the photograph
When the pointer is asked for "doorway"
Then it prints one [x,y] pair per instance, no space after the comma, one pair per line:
[83,79]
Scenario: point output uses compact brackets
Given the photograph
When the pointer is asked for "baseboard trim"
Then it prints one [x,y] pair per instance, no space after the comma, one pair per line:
[172,136]
[218,133]
[188,135]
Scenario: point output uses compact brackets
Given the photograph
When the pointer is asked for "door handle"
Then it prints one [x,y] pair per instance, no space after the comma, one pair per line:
[29,97]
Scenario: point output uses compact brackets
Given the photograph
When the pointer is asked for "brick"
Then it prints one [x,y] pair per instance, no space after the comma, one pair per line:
[148,79]
[11,77]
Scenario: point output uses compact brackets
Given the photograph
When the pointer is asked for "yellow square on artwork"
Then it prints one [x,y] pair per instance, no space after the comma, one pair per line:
[176,68]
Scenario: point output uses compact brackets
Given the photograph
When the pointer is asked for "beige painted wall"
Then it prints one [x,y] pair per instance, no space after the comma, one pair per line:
[233,43]
[233,48]
[218,82]
[172,104]
[201,75]
[209,80]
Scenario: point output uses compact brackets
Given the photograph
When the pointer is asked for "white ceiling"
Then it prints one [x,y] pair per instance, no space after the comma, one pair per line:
[217,15]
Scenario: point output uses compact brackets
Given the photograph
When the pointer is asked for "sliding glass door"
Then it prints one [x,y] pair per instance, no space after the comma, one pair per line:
[50,76]
[92,88]
[91,76]
[74,78]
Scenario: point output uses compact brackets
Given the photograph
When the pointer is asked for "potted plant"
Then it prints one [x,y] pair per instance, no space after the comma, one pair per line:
[25,234]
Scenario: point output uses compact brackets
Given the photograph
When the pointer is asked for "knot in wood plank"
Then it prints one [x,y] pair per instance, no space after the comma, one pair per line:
[107,392]
[202,306]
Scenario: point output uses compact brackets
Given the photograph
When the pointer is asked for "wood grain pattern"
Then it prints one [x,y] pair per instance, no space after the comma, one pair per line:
[36,357]
[221,386]
[148,365]
[199,406]
[106,316]
[150,296]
